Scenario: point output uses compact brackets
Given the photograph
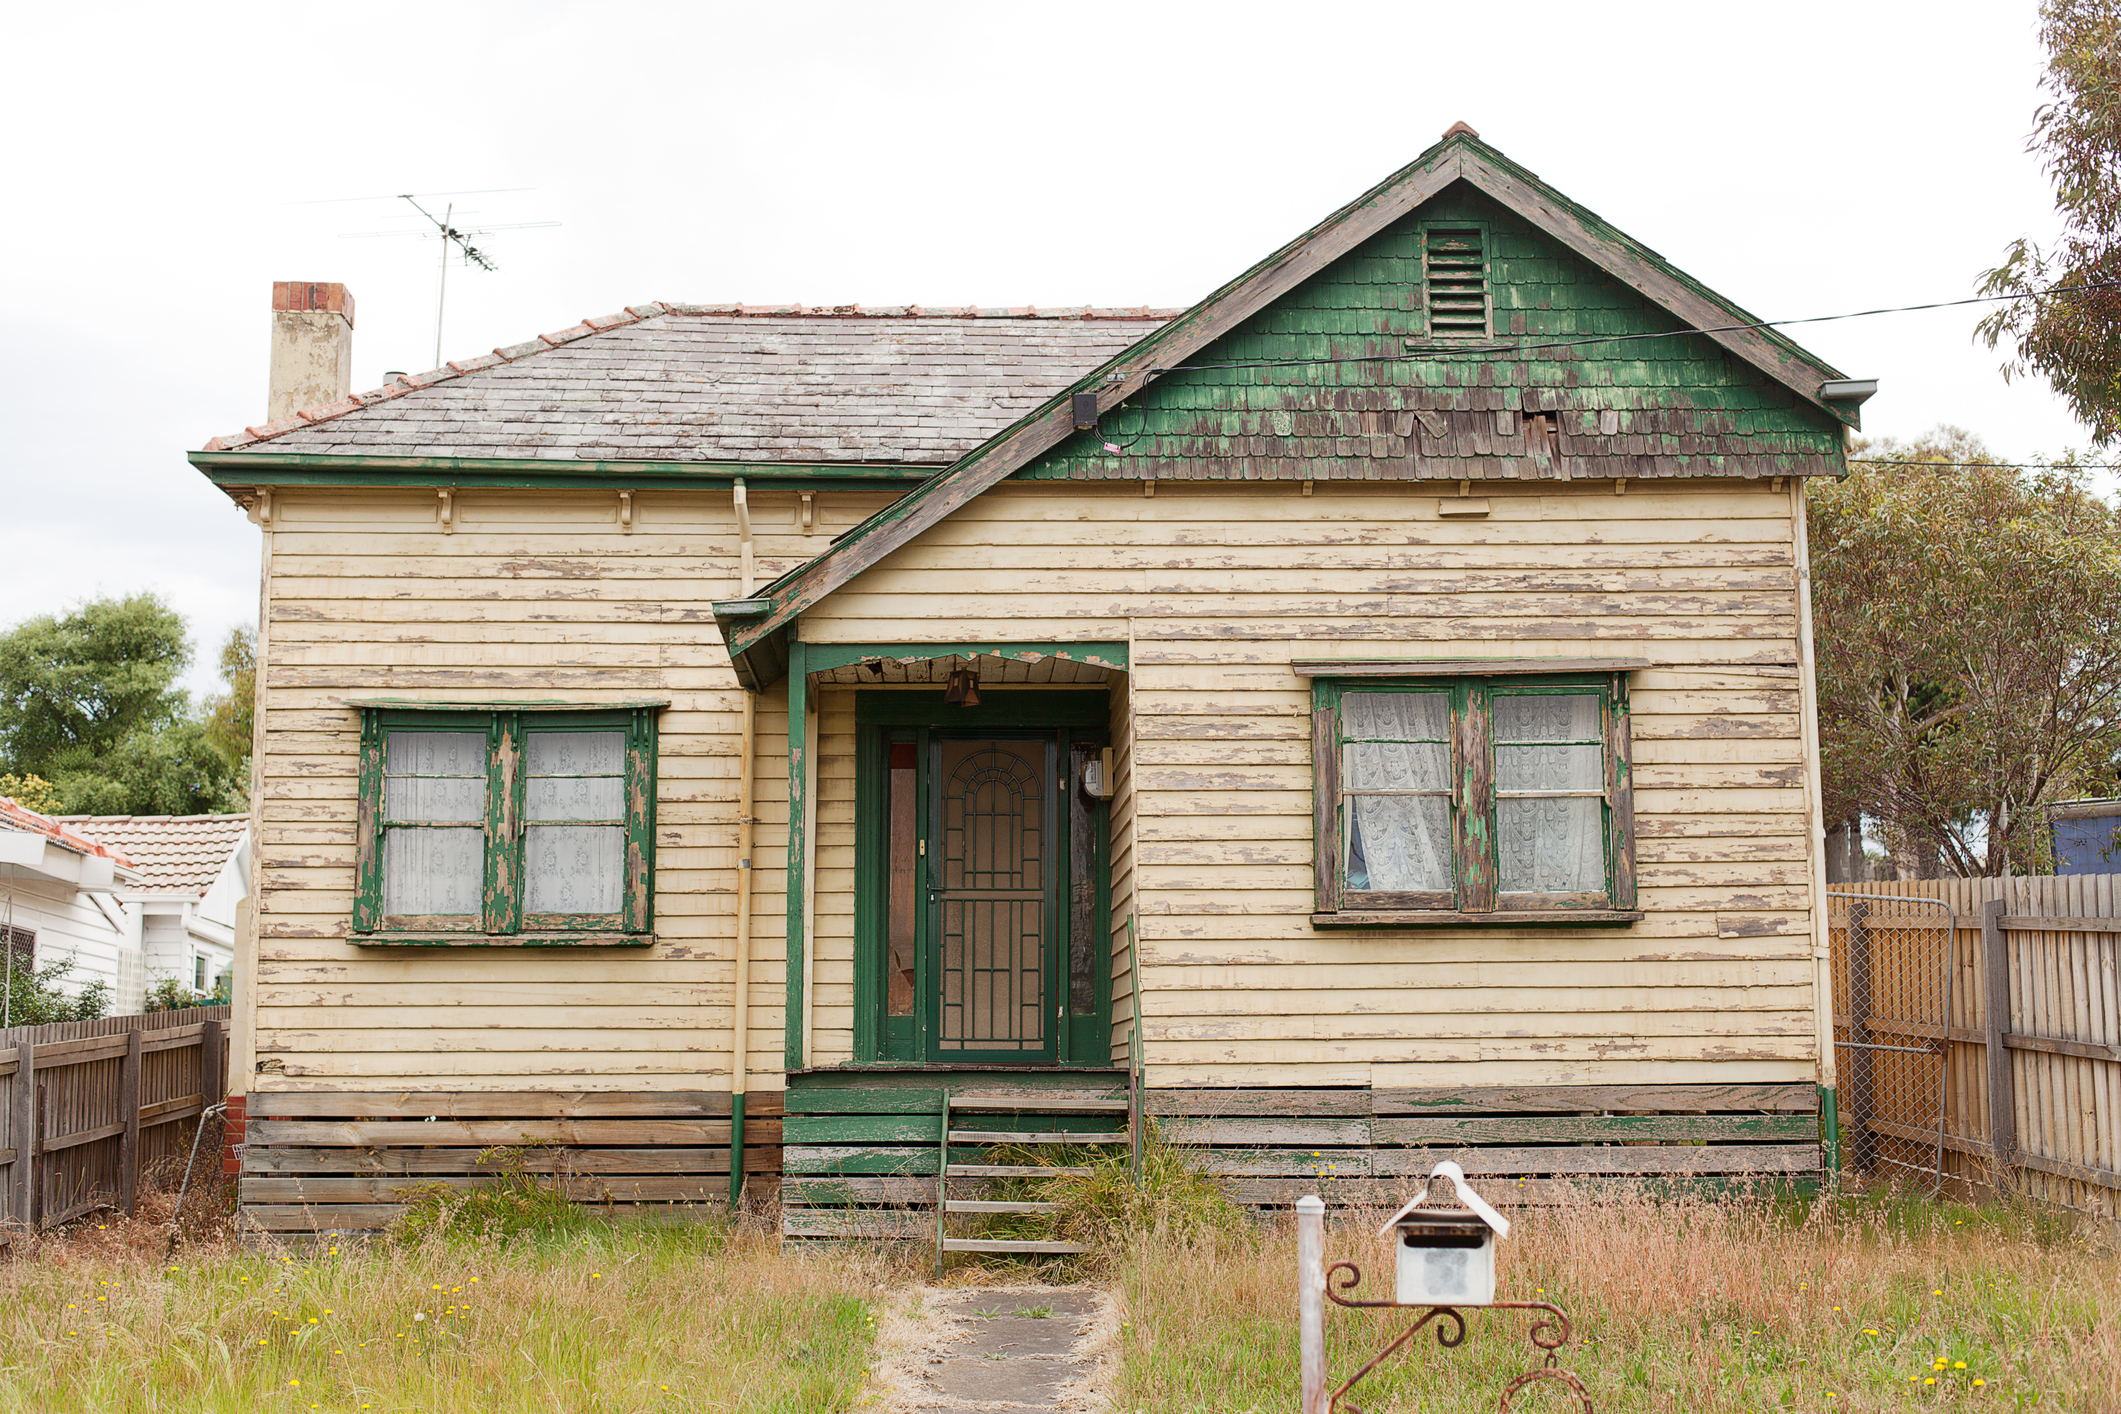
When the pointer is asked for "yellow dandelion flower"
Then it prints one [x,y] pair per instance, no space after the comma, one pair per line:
[1980,1382]
[294,1382]
[1931,1380]
[1958,1364]
[312,1320]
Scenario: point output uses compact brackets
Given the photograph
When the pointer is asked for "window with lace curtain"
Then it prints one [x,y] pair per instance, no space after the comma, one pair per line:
[506,825]
[1461,799]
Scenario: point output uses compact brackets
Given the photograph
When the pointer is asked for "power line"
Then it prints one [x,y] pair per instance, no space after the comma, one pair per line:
[1447,351]
[399,195]
[1987,465]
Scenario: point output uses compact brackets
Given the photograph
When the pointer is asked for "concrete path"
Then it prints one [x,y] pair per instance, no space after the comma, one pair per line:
[995,1348]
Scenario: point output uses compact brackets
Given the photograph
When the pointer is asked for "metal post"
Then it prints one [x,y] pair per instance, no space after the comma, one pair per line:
[1311,1300]
[129,1113]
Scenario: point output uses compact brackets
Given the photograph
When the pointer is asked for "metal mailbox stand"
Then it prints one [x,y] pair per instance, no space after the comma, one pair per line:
[1317,1284]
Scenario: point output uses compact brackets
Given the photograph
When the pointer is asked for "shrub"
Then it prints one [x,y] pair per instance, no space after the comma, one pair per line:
[30,996]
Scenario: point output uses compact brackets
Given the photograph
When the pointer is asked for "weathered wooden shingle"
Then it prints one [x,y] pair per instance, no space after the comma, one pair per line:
[1407,405]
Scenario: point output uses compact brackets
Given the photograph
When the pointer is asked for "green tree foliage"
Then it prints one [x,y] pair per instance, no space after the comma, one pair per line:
[1969,648]
[31,792]
[89,703]
[230,714]
[2073,340]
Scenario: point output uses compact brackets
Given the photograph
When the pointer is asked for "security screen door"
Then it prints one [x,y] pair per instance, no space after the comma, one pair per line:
[991,905]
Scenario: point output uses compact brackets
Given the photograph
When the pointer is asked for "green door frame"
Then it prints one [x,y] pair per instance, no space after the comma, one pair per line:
[882,715]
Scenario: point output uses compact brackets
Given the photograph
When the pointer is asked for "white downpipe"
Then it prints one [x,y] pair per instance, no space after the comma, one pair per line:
[1808,691]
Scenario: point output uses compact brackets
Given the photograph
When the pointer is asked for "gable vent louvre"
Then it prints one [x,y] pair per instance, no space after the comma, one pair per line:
[1455,265]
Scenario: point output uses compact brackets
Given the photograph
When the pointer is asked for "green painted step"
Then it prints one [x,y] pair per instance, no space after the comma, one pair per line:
[1034,1105]
[987,1244]
[995,1205]
[981,1136]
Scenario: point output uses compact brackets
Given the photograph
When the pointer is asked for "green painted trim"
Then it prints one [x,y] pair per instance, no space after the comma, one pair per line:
[368,858]
[1039,708]
[798,789]
[872,835]
[1829,1131]
[393,938]
[822,656]
[544,704]
[638,904]
[736,1150]
[277,468]
[501,921]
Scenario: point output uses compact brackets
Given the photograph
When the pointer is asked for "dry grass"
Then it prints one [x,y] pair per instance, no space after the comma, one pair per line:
[1747,1304]
[612,1319]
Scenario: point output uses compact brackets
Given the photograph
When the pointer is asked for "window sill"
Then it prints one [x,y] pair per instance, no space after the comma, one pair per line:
[389,938]
[1507,918]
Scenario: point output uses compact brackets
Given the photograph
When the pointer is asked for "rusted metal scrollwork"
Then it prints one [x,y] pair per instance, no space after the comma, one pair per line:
[1549,1333]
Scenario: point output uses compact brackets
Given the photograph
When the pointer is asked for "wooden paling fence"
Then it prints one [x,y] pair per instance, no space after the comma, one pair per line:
[2019,1002]
[93,1106]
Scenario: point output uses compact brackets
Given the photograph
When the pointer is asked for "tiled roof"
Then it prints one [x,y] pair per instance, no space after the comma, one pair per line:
[775,383]
[174,853]
[21,817]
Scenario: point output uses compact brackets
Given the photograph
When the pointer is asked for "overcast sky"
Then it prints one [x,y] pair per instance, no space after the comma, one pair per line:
[167,163]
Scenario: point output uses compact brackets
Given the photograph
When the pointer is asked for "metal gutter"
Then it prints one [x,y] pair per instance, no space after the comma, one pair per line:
[246,469]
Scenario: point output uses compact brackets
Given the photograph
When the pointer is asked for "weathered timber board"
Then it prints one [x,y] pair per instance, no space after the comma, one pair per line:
[881,1159]
[579,1188]
[356,1218]
[763,1158]
[1557,1129]
[834,1192]
[1526,1162]
[507,1104]
[1785,1099]
[502,1132]
[856,1222]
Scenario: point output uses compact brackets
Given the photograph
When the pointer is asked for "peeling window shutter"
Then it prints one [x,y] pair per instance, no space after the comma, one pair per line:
[1457,272]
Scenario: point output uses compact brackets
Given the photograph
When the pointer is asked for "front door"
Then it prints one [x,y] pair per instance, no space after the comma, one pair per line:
[981,928]
[991,896]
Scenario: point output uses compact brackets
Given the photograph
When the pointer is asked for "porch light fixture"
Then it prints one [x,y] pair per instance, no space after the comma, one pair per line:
[963,690]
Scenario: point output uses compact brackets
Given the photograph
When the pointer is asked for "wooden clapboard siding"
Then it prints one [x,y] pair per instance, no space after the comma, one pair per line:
[348,1161]
[532,595]
[1218,587]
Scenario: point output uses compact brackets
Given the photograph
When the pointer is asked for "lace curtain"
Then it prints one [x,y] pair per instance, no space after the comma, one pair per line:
[1397,741]
[434,812]
[574,846]
[1550,844]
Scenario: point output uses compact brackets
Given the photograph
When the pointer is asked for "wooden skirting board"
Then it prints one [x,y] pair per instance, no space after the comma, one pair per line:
[861,1162]
[346,1162]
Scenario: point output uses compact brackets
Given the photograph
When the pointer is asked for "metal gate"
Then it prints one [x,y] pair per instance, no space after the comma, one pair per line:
[1892,1023]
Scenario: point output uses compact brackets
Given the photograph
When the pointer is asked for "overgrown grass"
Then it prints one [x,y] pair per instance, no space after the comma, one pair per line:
[1750,1303]
[592,1316]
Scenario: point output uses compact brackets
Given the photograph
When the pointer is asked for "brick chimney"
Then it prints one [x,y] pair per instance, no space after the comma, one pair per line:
[312,346]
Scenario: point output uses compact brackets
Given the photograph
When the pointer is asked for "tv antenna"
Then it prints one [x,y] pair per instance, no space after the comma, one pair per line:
[449,234]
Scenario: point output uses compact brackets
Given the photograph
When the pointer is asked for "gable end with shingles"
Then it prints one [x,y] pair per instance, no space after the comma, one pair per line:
[1696,389]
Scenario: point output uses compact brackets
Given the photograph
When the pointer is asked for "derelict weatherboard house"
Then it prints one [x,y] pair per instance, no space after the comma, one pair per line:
[1362,717]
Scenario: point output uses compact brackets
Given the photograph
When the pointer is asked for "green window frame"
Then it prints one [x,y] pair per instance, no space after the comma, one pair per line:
[490,792]
[1432,743]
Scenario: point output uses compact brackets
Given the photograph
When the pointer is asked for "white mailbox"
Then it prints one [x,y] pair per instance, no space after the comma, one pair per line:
[1446,1256]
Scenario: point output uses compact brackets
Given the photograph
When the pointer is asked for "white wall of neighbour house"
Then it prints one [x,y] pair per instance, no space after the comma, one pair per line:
[102,943]
[529,595]
[1220,585]
[180,930]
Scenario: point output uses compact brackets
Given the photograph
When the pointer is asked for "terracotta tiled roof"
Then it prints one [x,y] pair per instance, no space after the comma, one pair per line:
[174,853]
[729,382]
[21,817]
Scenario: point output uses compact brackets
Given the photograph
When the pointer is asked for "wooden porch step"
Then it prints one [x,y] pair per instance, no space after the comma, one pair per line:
[984,1136]
[1031,1104]
[1012,1170]
[995,1205]
[990,1244]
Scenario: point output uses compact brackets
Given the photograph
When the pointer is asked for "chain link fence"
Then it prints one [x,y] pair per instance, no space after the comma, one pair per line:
[1892,1025]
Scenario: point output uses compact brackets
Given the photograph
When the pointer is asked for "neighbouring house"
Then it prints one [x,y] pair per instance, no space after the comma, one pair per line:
[1363,718]
[2087,836]
[60,898]
[194,871]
